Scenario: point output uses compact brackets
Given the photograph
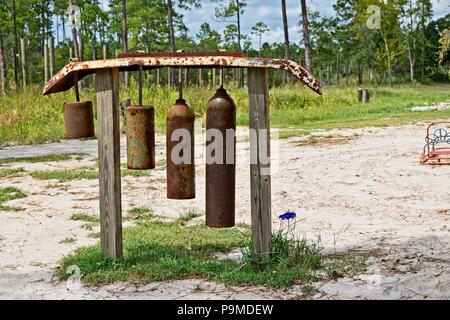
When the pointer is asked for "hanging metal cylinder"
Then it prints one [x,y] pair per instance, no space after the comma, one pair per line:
[180,151]
[140,122]
[79,120]
[221,168]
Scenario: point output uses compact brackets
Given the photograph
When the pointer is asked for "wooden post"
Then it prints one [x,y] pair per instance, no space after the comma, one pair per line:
[45,62]
[213,77]
[258,91]
[23,51]
[107,87]
[51,47]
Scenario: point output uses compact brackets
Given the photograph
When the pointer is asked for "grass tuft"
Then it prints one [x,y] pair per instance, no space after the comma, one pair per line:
[8,194]
[189,216]
[46,158]
[11,172]
[85,217]
[157,251]
[80,174]
[141,213]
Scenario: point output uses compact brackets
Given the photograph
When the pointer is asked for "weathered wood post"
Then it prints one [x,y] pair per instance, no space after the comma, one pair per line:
[107,88]
[261,213]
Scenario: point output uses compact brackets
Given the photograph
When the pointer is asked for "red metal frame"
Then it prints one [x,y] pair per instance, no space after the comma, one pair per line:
[433,155]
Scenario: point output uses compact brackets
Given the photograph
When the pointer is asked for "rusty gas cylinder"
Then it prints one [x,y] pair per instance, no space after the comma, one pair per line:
[221,173]
[180,152]
[79,120]
[140,122]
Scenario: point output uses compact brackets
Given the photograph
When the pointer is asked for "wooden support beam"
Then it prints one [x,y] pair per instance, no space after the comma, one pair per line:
[261,213]
[107,87]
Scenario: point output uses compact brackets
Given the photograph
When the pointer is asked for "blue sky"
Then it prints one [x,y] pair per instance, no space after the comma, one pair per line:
[269,11]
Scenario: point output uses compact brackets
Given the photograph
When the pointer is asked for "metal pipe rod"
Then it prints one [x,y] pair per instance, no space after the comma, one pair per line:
[141,84]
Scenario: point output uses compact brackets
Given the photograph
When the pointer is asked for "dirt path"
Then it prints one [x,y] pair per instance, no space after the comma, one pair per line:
[355,189]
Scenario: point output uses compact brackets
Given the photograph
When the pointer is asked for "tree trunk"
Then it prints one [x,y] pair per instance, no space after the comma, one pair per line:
[411,63]
[240,77]
[360,73]
[125,39]
[306,40]
[63,20]
[172,45]
[337,70]
[43,26]
[347,72]
[75,51]
[388,57]
[3,78]
[286,35]
[15,47]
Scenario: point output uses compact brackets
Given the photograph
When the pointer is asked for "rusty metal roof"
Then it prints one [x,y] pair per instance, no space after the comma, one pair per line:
[64,79]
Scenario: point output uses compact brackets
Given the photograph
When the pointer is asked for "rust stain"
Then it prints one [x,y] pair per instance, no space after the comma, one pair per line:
[64,79]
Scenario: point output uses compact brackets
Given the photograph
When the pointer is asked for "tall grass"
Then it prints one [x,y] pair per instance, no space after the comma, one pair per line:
[30,117]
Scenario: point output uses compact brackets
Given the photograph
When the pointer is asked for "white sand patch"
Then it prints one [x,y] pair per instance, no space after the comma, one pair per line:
[367,192]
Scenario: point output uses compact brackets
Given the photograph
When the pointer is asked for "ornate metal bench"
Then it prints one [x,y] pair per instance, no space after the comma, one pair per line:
[437,148]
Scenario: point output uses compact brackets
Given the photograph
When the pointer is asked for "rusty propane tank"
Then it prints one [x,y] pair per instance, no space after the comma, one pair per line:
[180,152]
[221,168]
[140,124]
[79,120]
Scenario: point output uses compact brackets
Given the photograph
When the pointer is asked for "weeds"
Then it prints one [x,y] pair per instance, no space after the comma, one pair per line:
[8,194]
[141,213]
[46,158]
[11,172]
[85,218]
[30,117]
[156,251]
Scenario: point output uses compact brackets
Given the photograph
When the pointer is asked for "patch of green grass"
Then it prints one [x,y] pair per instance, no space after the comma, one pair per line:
[286,134]
[141,213]
[11,193]
[11,172]
[161,164]
[8,194]
[64,175]
[157,251]
[79,174]
[30,117]
[10,208]
[189,215]
[85,217]
[46,158]
[68,240]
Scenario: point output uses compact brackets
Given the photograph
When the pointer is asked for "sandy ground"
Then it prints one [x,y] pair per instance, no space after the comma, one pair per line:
[356,189]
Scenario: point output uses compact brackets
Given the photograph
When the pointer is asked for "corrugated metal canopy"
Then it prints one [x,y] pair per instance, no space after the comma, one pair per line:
[64,79]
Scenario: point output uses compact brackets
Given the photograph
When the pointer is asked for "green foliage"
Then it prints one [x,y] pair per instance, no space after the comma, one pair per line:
[46,158]
[11,172]
[80,174]
[85,218]
[8,194]
[290,106]
[157,251]
[141,213]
